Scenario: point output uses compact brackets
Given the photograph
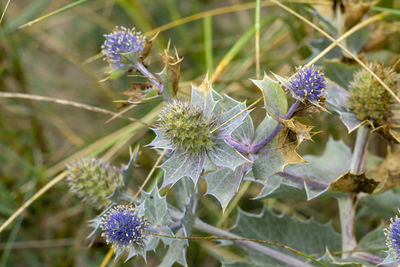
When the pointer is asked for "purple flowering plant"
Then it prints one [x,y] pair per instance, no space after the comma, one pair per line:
[227,155]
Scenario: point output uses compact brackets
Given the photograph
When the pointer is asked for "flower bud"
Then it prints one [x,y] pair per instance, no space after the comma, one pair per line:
[368,99]
[186,128]
[94,181]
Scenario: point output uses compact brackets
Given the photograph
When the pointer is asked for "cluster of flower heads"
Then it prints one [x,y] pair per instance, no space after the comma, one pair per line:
[124,228]
[392,233]
[186,127]
[94,180]
[308,83]
[368,99]
[120,42]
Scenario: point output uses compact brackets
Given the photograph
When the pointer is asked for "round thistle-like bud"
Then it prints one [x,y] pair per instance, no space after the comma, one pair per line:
[368,99]
[186,127]
[308,83]
[124,228]
[392,233]
[122,41]
[94,180]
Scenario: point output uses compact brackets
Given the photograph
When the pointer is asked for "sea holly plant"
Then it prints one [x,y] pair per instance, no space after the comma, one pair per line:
[209,143]
[193,133]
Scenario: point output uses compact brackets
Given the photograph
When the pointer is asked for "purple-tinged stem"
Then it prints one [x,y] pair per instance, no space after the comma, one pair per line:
[255,148]
[243,149]
[143,70]
[319,185]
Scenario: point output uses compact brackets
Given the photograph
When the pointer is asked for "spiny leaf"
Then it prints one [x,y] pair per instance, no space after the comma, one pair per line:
[275,101]
[337,102]
[308,237]
[224,183]
[317,173]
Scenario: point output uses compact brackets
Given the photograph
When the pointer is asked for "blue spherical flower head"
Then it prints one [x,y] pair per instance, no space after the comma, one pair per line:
[124,228]
[392,233]
[122,42]
[308,83]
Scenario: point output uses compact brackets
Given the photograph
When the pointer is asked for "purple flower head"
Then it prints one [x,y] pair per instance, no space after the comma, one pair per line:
[122,41]
[392,233]
[124,228]
[308,83]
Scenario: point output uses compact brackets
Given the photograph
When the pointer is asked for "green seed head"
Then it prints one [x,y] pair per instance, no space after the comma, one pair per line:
[185,126]
[368,99]
[94,181]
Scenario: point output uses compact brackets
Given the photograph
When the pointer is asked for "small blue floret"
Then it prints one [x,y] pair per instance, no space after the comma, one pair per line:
[308,83]
[124,228]
[393,237]
[122,41]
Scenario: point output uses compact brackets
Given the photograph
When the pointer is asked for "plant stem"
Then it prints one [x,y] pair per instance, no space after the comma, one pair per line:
[255,148]
[347,204]
[202,226]
[143,70]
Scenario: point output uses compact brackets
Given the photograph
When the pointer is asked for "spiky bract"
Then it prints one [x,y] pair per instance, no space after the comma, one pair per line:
[120,42]
[308,83]
[124,228]
[93,180]
[368,99]
[186,127]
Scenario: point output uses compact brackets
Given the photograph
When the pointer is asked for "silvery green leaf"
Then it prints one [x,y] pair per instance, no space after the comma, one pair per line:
[223,155]
[337,98]
[310,237]
[317,173]
[176,253]
[383,205]
[278,187]
[268,160]
[374,242]
[177,250]
[224,183]
[180,165]
[183,192]
[245,132]
[155,211]
[275,101]
[160,141]
[206,101]
[235,116]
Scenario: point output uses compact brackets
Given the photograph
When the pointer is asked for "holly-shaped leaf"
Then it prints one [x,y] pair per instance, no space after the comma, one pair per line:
[316,174]
[275,101]
[337,102]
[310,237]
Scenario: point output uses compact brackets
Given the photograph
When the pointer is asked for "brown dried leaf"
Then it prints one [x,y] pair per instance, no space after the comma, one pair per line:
[147,47]
[302,132]
[290,138]
[135,93]
[354,183]
[171,72]
[355,10]
[389,133]
[387,173]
